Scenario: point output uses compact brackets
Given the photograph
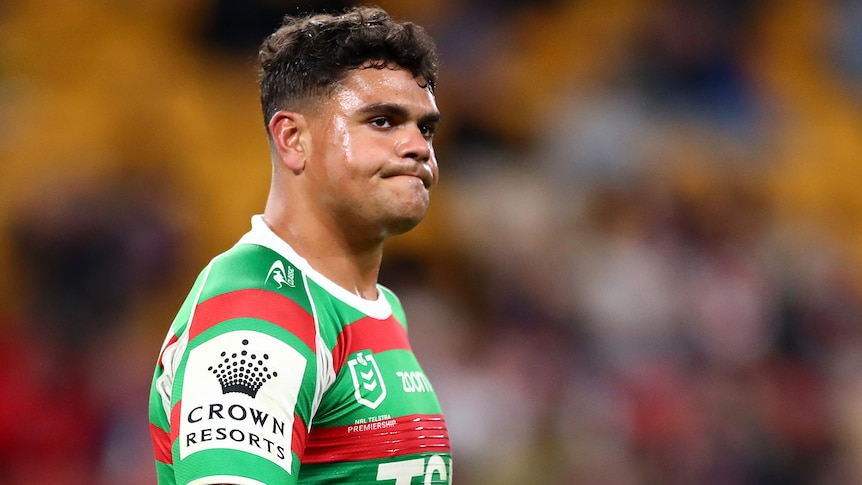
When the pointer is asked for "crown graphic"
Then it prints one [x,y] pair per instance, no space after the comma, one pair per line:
[242,371]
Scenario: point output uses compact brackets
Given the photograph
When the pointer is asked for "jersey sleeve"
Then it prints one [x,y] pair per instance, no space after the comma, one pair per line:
[245,385]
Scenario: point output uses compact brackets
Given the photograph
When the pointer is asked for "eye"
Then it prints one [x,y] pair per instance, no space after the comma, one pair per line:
[381,122]
[428,130]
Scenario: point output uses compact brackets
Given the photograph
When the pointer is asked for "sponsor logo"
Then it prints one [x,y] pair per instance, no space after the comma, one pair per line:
[238,425]
[372,423]
[368,385]
[432,470]
[280,276]
[243,371]
[239,393]
[415,381]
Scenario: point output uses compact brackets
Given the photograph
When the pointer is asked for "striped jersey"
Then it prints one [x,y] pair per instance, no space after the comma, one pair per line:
[272,374]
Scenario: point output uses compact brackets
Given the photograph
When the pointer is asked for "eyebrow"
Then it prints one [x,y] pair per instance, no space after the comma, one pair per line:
[397,111]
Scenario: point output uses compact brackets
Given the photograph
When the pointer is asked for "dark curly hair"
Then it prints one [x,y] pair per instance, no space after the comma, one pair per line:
[307,56]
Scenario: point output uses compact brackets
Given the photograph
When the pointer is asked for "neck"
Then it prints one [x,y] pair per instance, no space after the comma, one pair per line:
[351,264]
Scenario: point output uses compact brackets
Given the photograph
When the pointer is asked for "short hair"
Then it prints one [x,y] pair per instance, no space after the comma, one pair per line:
[309,55]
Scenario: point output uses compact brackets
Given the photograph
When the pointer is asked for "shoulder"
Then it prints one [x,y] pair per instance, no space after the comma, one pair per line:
[254,288]
[250,267]
[395,303]
[389,295]
[244,265]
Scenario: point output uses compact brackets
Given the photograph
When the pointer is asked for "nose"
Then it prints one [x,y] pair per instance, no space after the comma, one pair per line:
[414,145]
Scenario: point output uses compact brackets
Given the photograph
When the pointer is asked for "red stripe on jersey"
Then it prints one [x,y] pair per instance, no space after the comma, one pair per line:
[255,303]
[300,436]
[175,428]
[161,444]
[406,435]
[369,334]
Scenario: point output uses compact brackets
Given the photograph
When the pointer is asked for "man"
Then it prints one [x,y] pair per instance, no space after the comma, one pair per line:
[288,363]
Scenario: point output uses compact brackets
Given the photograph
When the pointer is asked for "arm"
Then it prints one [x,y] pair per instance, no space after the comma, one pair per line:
[241,411]
[237,379]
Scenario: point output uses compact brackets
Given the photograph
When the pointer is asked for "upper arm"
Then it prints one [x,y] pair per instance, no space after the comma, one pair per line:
[246,381]
[246,388]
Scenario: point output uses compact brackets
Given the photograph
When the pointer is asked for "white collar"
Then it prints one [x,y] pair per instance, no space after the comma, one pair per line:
[262,235]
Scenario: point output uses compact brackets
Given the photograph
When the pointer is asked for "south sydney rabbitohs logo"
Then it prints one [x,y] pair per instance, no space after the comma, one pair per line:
[368,386]
[244,371]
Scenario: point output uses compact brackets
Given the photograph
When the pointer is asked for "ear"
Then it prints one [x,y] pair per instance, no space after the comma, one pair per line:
[289,131]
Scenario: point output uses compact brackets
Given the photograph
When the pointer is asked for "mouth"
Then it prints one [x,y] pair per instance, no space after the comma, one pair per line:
[422,174]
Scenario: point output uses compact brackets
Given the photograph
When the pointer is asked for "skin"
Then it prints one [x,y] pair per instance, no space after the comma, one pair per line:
[351,170]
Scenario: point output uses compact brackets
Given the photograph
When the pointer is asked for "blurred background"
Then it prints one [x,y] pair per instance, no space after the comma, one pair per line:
[642,264]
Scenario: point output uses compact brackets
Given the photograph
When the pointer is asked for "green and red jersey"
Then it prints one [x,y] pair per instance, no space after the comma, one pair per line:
[272,374]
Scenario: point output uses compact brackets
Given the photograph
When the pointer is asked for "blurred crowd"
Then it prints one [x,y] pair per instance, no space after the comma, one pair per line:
[642,265]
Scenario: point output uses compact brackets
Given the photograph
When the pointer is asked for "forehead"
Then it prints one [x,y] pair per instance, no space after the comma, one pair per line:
[372,85]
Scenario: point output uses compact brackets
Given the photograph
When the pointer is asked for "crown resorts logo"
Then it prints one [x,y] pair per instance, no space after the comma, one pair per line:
[243,371]
[236,395]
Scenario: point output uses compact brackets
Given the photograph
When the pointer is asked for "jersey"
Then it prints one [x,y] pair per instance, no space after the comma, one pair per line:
[272,374]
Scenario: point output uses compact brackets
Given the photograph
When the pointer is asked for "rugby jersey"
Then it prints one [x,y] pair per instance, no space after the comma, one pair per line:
[272,374]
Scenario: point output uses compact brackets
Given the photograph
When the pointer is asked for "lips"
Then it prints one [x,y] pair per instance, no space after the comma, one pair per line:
[422,172]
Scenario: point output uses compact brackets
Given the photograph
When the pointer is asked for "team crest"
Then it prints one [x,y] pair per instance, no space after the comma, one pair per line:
[368,385]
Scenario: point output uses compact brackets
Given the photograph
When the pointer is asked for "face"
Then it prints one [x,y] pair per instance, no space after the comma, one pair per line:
[371,165]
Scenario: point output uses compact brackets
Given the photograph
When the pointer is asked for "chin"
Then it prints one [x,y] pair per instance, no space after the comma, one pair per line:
[400,227]
[403,215]
[403,223]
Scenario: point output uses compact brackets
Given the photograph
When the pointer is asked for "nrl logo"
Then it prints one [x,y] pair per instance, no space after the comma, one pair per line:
[368,386]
